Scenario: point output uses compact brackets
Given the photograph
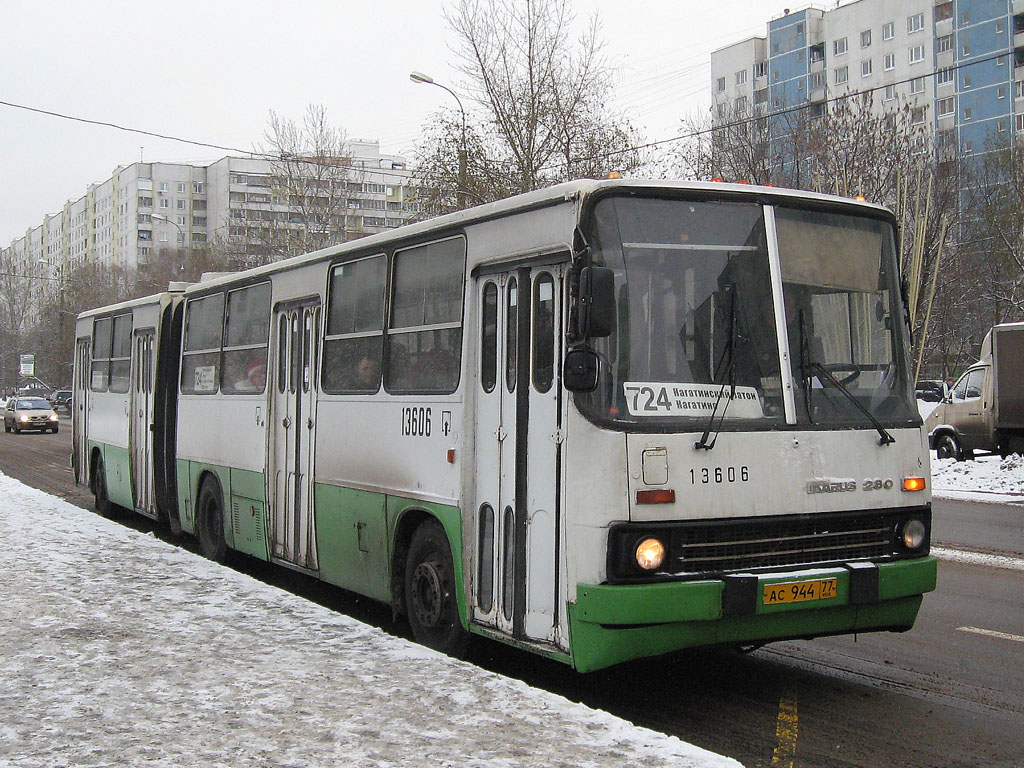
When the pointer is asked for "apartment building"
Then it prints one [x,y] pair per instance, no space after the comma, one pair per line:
[146,212]
[957,64]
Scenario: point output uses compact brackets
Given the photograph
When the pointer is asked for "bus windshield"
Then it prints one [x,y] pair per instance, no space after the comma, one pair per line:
[697,332]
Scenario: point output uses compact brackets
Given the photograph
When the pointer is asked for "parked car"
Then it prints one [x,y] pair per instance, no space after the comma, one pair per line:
[24,413]
[60,399]
[931,390]
[984,411]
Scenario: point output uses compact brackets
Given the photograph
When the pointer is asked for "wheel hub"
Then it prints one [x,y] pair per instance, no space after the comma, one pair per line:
[427,594]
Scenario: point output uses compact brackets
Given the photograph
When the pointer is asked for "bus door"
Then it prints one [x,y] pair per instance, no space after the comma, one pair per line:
[293,419]
[80,409]
[141,422]
[518,453]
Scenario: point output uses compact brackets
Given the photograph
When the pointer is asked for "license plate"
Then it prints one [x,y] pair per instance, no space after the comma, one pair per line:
[799,591]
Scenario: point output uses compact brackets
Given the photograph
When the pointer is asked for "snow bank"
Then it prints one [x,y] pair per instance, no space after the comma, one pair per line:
[122,650]
[986,478]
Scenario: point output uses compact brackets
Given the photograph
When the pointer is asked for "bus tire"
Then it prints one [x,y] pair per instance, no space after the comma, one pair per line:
[99,490]
[210,522]
[431,598]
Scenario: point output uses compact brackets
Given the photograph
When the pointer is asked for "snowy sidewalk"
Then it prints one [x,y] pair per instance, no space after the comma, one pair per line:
[121,650]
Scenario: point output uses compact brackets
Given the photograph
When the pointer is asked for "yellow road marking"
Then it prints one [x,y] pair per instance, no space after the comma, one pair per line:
[785,732]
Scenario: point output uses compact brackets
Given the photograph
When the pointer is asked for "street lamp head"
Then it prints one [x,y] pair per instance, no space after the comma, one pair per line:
[419,77]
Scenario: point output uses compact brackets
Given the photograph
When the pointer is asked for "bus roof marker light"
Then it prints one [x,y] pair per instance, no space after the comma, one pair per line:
[914,484]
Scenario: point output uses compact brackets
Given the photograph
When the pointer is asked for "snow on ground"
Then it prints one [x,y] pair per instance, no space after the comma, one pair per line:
[122,650]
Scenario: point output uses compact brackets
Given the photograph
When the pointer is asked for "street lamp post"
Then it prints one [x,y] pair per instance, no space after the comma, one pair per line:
[184,241]
[419,77]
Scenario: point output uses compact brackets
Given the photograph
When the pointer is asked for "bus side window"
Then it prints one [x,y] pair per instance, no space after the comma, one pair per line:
[100,374]
[200,359]
[354,339]
[425,333]
[511,335]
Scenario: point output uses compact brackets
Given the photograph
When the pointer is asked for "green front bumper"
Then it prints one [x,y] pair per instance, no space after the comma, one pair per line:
[614,623]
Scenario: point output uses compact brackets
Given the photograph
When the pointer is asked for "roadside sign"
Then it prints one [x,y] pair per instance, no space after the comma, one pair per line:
[28,365]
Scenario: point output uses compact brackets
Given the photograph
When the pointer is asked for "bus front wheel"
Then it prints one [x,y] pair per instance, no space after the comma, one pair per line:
[430,592]
[210,522]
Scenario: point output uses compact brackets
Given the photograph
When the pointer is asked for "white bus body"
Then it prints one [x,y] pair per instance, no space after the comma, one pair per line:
[451,472]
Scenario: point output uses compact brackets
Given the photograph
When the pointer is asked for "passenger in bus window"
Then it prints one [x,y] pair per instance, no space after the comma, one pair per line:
[367,375]
[255,379]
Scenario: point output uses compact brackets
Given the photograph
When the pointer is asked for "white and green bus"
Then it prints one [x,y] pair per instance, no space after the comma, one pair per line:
[601,421]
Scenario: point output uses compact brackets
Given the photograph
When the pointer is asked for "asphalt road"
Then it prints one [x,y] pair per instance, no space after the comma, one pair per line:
[949,693]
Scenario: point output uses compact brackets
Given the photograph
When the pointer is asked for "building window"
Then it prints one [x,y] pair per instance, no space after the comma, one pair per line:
[915,23]
[945,106]
[761,69]
[890,92]
[198,188]
[721,84]
[944,76]
[165,203]
[865,68]
[817,80]
[944,11]
[965,82]
[1001,126]
[1000,61]
[944,43]
[181,186]
[1018,89]
[163,186]
[741,77]
[917,85]
[865,38]
[842,74]
[1000,26]
[1019,123]
[741,105]
[968,113]
[839,46]
[181,205]
[889,62]
[917,115]
[965,18]
[965,49]
[917,54]
[889,30]
[180,220]
[198,221]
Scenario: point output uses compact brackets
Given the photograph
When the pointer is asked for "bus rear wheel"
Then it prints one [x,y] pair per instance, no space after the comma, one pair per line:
[430,592]
[99,490]
[210,522]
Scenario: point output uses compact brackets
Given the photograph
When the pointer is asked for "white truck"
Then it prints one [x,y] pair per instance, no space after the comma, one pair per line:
[984,411]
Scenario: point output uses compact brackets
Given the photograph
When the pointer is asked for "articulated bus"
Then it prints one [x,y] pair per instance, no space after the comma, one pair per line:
[603,421]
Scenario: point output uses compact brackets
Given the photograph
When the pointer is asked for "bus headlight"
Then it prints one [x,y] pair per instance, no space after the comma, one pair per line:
[650,554]
[913,534]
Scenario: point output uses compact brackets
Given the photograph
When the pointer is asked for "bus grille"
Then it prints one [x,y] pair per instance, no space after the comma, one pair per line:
[772,542]
[709,548]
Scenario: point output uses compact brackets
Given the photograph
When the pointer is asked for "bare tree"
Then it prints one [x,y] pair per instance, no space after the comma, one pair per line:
[539,104]
[308,194]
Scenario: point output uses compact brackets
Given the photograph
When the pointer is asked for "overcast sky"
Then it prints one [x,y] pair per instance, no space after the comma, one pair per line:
[210,71]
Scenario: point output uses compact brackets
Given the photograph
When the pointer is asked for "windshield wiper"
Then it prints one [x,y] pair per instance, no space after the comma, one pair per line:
[809,367]
[730,373]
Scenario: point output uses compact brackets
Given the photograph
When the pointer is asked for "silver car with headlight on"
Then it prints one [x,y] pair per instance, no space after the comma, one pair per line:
[24,413]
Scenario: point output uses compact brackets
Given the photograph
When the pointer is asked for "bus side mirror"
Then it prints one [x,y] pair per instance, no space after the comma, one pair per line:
[597,302]
[579,373]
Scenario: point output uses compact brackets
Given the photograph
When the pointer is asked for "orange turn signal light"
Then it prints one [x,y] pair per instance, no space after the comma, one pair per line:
[658,496]
[913,484]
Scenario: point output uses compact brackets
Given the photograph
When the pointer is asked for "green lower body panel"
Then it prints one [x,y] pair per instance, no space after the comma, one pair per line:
[117,472]
[611,624]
